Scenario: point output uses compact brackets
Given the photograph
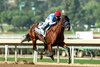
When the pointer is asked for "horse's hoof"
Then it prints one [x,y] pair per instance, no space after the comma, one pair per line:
[34,48]
[52,57]
[41,57]
[69,61]
[23,40]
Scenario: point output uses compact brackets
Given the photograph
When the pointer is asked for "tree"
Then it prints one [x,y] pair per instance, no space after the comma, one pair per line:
[72,9]
[2,7]
[2,20]
[90,13]
[97,15]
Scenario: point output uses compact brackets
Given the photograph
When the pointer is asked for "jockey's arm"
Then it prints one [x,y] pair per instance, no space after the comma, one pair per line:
[51,21]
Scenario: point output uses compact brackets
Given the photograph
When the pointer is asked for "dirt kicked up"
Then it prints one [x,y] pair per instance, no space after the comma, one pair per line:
[46,65]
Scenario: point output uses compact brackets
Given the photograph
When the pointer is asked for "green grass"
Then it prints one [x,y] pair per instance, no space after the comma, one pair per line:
[87,61]
[81,61]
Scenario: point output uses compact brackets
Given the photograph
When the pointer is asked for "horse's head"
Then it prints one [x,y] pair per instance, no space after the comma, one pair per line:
[66,22]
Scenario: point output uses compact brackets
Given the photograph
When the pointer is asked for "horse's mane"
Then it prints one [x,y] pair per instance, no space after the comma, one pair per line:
[54,27]
[54,31]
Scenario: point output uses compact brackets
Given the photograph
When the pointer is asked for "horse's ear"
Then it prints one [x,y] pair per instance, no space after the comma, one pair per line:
[67,18]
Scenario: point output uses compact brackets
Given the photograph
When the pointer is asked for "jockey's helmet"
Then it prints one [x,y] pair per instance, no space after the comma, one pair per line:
[57,13]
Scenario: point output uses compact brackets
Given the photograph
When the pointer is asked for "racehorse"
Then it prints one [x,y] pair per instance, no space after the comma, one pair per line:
[54,36]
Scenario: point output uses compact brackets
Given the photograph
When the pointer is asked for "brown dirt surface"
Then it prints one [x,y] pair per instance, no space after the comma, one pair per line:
[46,65]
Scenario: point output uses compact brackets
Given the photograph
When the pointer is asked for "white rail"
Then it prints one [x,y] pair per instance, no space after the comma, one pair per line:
[72,43]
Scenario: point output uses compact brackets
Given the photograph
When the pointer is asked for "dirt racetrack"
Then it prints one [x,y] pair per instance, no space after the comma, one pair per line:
[47,65]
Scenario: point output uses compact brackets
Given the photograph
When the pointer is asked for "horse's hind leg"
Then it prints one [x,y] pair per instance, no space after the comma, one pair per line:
[43,51]
[41,55]
[69,57]
[26,38]
[34,44]
[64,45]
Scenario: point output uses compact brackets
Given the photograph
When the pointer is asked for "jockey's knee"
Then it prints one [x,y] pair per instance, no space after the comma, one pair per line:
[36,30]
[40,31]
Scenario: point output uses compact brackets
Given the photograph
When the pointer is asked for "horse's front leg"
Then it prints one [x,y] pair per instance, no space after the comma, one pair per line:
[50,51]
[69,56]
[64,45]
[44,51]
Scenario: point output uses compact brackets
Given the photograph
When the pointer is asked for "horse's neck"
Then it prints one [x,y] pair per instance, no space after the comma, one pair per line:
[58,27]
[55,31]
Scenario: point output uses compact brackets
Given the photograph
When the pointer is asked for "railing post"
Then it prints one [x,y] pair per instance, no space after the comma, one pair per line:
[6,52]
[15,53]
[72,55]
[21,52]
[35,56]
[58,56]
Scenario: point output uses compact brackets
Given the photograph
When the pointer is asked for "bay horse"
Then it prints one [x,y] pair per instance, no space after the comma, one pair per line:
[54,36]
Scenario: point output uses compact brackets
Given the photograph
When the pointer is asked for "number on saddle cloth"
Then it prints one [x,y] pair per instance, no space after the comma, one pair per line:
[41,29]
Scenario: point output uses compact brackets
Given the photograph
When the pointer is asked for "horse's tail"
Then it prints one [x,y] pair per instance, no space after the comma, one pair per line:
[26,38]
[30,33]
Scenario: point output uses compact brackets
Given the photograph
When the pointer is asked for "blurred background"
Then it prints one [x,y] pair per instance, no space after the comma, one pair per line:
[16,16]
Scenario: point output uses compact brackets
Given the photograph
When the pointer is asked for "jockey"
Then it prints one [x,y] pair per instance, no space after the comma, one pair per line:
[49,21]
